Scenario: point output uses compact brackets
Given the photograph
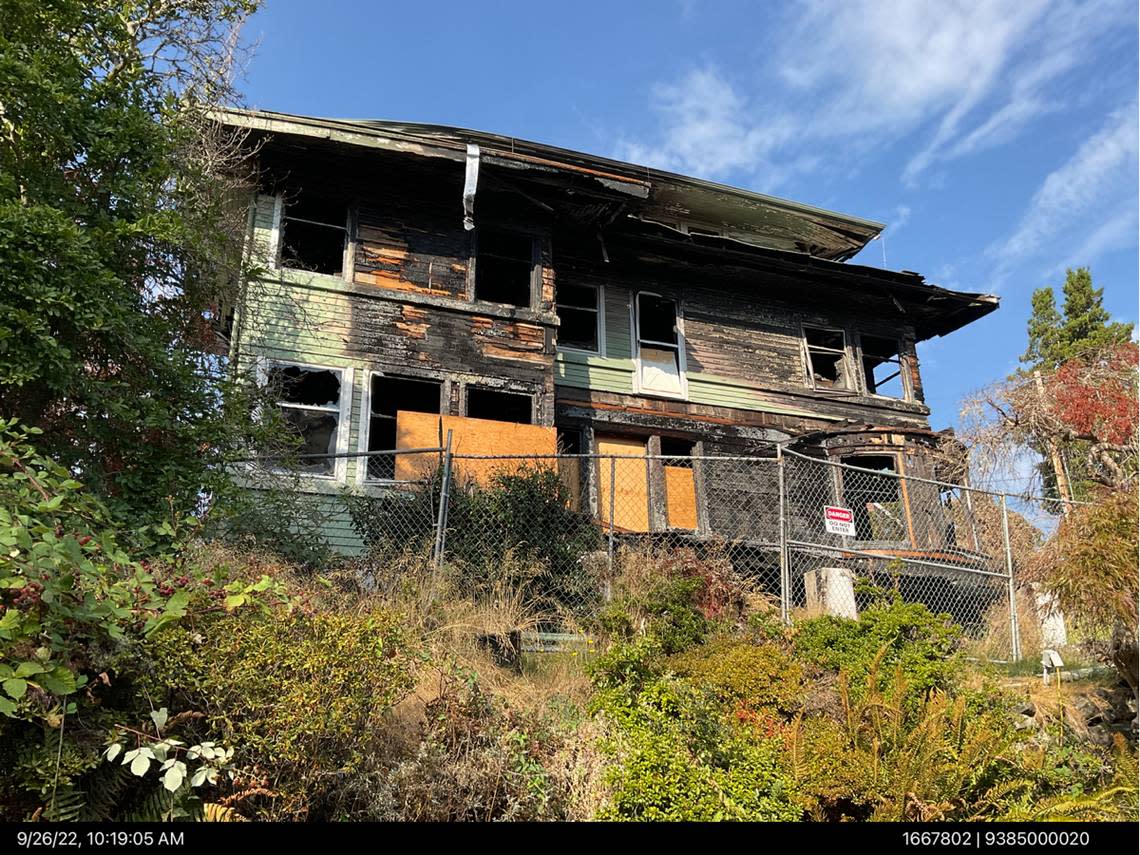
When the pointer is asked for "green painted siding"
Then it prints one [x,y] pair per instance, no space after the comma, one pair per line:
[617,321]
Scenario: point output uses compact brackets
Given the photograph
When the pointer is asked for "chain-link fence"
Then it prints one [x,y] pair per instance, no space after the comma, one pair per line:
[813,535]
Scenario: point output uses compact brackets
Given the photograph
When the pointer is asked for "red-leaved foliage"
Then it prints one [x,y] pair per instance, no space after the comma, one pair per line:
[1096,396]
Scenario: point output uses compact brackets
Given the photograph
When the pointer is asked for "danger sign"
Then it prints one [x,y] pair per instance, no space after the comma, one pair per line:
[839,521]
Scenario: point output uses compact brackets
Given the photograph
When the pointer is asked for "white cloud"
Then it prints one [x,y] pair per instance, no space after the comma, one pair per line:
[901,218]
[709,129]
[1088,202]
[967,74]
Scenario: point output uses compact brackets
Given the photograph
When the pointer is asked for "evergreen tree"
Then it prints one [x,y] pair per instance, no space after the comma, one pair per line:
[1083,324]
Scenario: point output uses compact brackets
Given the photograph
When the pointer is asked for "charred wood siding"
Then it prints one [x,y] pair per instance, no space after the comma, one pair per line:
[742,332]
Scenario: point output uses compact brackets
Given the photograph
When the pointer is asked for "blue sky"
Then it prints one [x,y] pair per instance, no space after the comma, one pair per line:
[997,139]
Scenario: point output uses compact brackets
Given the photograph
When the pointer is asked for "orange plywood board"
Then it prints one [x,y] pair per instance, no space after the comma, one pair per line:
[631,483]
[470,436]
[680,497]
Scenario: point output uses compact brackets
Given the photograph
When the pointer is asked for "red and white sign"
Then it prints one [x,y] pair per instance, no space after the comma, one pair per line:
[839,521]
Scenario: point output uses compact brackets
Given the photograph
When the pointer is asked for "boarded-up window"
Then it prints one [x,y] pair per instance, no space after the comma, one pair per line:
[680,487]
[309,401]
[578,317]
[314,232]
[882,366]
[504,267]
[658,346]
[875,497]
[828,365]
[483,403]
[390,395]
[625,459]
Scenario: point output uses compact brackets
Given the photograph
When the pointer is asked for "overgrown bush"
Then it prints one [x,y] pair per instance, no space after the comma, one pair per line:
[673,596]
[678,758]
[299,695]
[474,760]
[890,635]
[886,757]
[76,592]
[1089,565]
[744,676]
[523,515]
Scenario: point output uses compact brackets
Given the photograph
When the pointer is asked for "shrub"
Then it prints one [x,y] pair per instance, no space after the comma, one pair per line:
[743,676]
[673,596]
[888,636]
[75,593]
[1090,566]
[523,515]
[474,761]
[678,759]
[299,695]
[940,758]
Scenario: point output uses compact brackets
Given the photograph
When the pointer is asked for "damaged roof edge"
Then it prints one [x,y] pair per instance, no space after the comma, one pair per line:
[450,143]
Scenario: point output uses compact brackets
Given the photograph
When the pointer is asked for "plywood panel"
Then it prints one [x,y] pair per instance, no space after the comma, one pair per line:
[569,470]
[680,497]
[631,483]
[470,436]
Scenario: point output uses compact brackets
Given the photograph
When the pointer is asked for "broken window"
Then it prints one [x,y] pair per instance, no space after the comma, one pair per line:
[569,441]
[680,450]
[504,268]
[314,233]
[579,314]
[828,366]
[483,403]
[874,497]
[309,401]
[882,367]
[658,345]
[388,396]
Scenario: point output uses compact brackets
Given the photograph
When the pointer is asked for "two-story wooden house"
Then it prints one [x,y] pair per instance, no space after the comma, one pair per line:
[421,268]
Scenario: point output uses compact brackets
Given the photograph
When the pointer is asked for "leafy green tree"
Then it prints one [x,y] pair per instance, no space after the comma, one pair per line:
[1083,323]
[119,228]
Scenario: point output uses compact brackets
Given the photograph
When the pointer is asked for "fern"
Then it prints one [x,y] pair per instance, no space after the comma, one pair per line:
[67,806]
[107,788]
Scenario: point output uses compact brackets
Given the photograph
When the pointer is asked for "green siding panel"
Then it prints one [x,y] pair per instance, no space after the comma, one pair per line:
[617,322]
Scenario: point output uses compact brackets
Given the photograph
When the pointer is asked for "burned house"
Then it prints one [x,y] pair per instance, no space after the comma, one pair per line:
[427,269]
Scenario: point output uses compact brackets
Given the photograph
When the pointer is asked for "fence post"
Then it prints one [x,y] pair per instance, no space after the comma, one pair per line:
[785,579]
[610,539]
[1014,631]
[441,520]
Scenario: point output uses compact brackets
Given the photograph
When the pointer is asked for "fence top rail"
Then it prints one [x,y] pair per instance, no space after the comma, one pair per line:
[698,457]
[904,477]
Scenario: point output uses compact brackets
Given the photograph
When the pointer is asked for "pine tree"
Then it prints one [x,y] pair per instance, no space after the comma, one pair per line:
[1083,324]
[1044,328]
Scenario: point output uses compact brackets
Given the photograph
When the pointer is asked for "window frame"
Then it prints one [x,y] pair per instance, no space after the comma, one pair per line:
[522,393]
[281,216]
[365,425]
[806,351]
[903,364]
[535,265]
[599,319]
[898,476]
[635,330]
[343,413]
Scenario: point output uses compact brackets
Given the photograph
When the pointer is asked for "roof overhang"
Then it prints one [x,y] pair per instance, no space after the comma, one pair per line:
[655,195]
